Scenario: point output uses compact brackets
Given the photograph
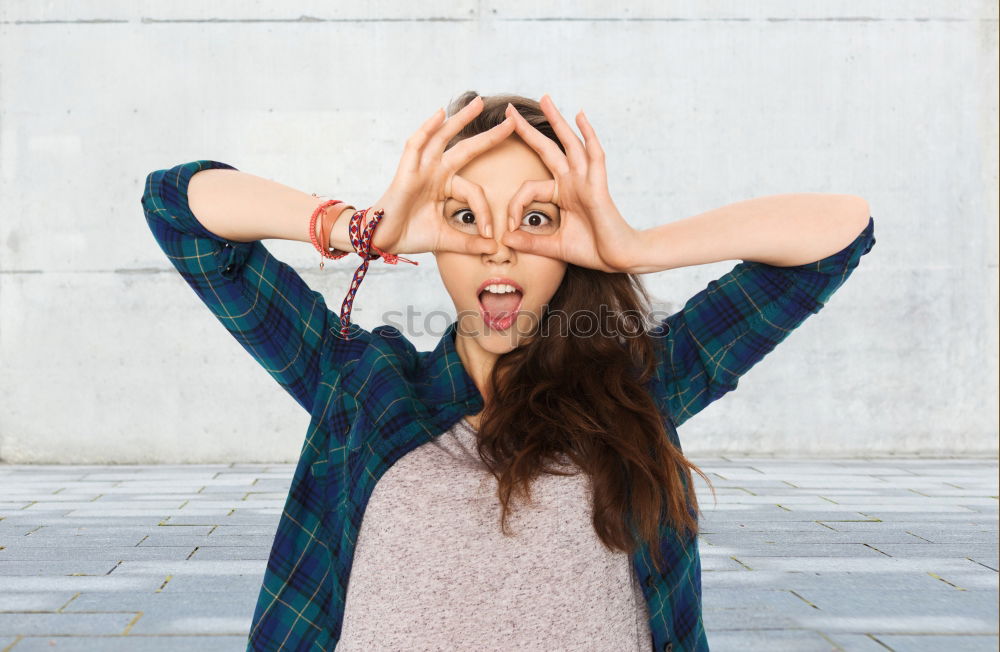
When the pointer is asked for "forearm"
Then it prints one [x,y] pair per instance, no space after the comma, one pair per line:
[781,230]
[243,207]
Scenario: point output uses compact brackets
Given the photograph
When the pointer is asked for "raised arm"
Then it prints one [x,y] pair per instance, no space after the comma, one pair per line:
[725,329]
[208,218]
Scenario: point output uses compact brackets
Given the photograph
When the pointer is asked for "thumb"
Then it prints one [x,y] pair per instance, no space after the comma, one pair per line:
[464,243]
[542,245]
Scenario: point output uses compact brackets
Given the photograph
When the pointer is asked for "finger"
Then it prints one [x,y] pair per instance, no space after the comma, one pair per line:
[574,147]
[465,243]
[469,148]
[549,152]
[473,195]
[414,144]
[597,172]
[530,243]
[534,190]
[448,130]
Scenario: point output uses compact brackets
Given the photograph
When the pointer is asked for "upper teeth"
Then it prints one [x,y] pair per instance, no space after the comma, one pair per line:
[500,288]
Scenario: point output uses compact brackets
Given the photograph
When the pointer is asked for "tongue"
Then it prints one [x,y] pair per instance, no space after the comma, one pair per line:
[496,304]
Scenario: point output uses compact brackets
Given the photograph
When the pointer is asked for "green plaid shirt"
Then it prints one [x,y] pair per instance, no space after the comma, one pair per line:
[373,398]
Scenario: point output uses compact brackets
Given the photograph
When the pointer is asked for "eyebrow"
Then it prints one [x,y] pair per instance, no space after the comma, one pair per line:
[453,200]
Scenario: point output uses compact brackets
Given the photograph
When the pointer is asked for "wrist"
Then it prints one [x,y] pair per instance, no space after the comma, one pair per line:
[630,260]
[383,205]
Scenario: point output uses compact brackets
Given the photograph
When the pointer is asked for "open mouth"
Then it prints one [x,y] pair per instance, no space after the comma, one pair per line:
[499,303]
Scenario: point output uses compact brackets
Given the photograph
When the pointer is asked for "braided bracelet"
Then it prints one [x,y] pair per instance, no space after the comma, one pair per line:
[361,235]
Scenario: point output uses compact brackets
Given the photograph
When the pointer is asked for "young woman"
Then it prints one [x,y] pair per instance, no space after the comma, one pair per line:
[403,526]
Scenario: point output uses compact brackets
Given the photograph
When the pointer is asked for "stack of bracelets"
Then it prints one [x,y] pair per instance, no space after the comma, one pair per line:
[361,239]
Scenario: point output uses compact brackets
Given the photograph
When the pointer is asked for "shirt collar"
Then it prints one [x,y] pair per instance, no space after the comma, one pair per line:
[447,381]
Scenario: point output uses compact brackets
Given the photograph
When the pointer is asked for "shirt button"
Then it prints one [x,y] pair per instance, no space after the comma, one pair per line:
[229,267]
[225,245]
[668,646]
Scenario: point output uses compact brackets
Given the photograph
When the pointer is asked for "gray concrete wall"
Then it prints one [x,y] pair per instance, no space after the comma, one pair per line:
[107,356]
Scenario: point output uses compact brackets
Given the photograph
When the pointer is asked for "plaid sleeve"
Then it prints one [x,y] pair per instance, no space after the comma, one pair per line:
[261,301]
[728,327]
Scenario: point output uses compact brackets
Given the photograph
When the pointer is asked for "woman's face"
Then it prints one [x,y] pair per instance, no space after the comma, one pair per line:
[500,171]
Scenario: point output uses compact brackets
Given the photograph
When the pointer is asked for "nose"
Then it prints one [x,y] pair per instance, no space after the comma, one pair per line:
[503,253]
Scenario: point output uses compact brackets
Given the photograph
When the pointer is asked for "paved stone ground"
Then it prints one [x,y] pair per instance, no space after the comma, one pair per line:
[881,554]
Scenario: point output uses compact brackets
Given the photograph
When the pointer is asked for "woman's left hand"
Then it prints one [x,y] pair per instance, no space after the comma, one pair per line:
[592,233]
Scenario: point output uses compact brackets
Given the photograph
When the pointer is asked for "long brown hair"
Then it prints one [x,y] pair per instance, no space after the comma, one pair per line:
[583,396]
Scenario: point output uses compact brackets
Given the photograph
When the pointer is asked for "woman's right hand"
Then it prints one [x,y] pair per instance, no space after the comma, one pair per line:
[414,219]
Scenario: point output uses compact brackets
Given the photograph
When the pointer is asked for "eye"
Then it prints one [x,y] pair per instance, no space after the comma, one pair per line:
[537,220]
[463,218]
[468,218]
